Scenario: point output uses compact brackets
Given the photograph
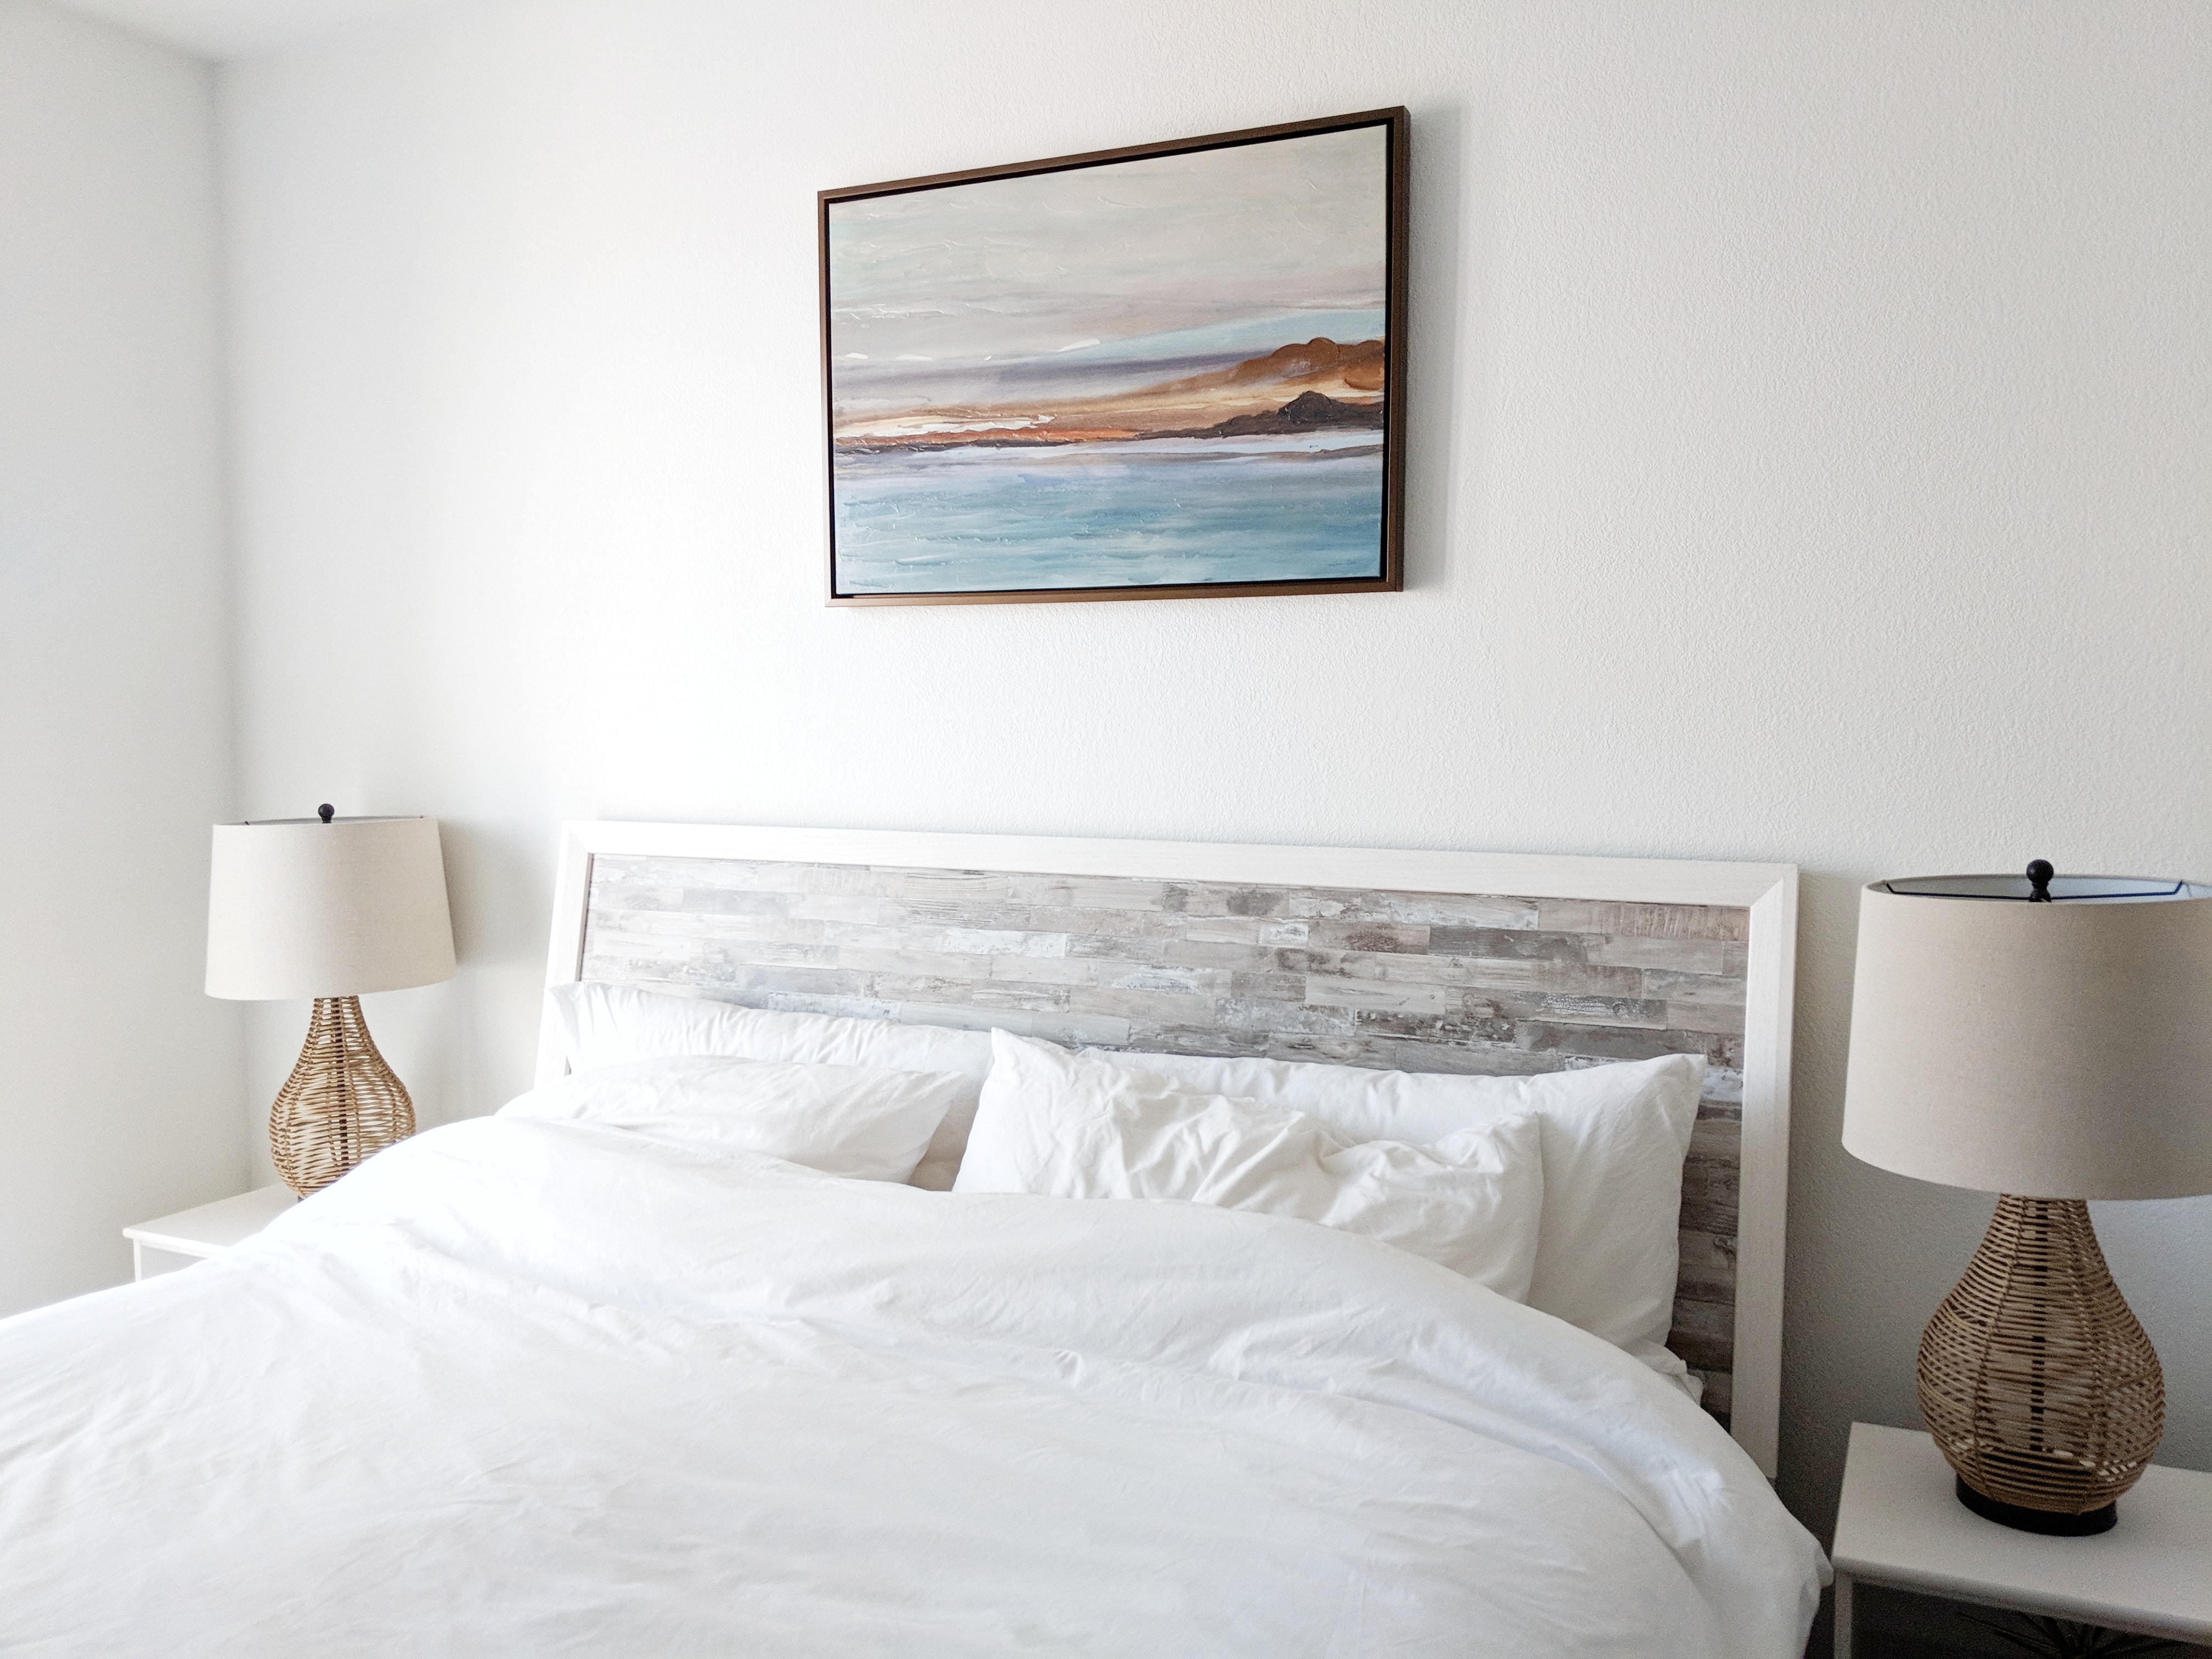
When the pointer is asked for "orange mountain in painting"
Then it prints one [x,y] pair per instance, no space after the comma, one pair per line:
[1254,396]
[1357,369]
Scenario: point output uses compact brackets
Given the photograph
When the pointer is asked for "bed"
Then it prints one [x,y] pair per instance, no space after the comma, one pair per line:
[529,1384]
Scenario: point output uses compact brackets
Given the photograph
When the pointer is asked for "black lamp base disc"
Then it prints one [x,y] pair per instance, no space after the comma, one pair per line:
[2051,1522]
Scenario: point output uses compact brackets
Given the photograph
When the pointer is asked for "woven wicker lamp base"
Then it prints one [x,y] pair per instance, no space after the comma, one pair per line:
[2037,1382]
[341,1103]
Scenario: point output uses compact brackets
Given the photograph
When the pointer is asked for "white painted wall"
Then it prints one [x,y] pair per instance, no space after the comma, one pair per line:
[1811,460]
[119,1082]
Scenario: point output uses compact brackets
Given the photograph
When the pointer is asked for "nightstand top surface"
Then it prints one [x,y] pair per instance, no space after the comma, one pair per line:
[1901,1523]
[213,1228]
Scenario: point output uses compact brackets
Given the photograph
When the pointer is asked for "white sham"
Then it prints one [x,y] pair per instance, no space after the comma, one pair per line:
[1069,1125]
[1614,1139]
[601,1024]
[865,1122]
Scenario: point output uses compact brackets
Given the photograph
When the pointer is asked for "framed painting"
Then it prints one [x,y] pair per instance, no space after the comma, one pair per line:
[1166,372]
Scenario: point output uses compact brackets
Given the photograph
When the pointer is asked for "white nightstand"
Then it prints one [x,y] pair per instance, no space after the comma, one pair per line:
[178,1241]
[1901,1525]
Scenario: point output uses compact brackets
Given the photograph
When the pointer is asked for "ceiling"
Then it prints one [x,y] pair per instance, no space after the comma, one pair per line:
[240,28]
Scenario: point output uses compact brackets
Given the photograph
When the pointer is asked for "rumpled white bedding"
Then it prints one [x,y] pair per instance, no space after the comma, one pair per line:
[542,1388]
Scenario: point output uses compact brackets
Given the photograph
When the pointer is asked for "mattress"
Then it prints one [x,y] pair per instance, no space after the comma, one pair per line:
[518,1386]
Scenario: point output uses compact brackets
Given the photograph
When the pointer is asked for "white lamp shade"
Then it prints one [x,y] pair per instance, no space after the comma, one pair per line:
[2047,1050]
[298,908]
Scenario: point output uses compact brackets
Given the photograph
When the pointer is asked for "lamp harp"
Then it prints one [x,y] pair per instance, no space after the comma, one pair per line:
[2036,1380]
[341,1103]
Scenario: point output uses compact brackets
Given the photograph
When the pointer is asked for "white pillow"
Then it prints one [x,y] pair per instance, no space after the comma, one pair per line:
[1614,1136]
[862,1121]
[1070,1125]
[603,1023]
[1614,1139]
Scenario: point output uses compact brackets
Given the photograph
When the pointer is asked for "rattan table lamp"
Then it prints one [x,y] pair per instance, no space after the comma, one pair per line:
[329,908]
[2047,1038]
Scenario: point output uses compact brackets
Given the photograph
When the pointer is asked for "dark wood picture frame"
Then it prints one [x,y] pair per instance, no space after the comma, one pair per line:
[1390,577]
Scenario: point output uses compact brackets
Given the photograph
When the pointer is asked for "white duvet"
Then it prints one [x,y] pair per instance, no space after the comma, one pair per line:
[542,1388]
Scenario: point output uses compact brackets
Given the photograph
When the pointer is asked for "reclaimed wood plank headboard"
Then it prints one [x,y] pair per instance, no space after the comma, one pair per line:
[1429,961]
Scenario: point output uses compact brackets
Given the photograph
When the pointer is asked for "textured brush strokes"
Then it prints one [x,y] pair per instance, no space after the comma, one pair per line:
[1162,371]
[1413,981]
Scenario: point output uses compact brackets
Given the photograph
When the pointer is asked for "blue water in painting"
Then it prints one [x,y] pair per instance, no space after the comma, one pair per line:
[974,518]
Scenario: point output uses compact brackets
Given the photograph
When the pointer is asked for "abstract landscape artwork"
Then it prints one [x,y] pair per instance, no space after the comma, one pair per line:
[1164,371]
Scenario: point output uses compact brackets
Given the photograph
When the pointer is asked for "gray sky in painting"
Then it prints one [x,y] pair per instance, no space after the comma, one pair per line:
[1032,267]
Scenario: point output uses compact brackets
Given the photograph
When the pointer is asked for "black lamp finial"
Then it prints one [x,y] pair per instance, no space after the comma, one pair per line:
[2040,874]
[326,812]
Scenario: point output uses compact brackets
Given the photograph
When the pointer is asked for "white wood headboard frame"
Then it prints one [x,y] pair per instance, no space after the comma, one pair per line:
[1767,891]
